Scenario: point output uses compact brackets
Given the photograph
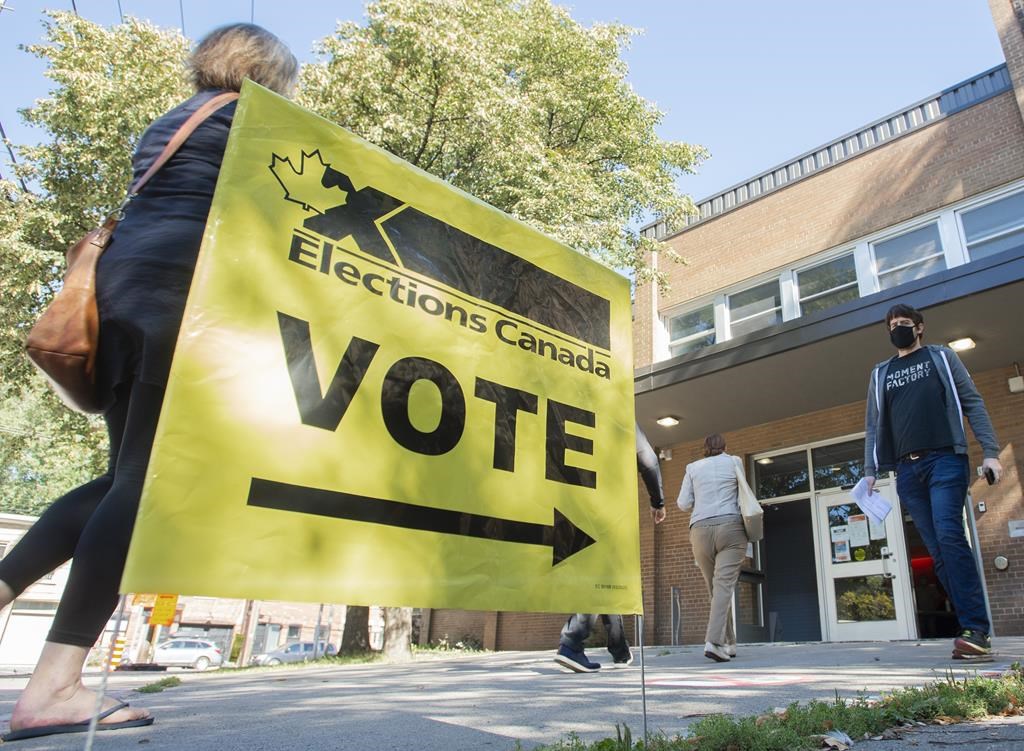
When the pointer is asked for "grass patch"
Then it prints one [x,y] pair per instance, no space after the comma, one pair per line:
[801,726]
[155,688]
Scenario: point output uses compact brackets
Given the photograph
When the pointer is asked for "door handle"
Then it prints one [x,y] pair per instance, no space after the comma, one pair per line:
[886,555]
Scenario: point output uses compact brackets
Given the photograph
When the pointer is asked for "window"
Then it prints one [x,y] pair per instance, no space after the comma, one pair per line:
[995,227]
[294,632]
[691,331]
[909,256]
[838,464]
[829,284]
[755,309]
[776,476]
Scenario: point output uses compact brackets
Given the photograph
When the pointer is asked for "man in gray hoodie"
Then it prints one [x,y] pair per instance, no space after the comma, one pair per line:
[915,408]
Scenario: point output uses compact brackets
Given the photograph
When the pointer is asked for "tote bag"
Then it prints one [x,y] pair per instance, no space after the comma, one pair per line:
[750,509]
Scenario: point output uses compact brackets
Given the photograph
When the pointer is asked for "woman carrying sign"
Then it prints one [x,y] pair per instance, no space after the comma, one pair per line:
[142,281]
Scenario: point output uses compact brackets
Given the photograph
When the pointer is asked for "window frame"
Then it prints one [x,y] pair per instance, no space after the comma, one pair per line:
[762,282]
[822,260]
[684,311]
[966,209]
[919,224]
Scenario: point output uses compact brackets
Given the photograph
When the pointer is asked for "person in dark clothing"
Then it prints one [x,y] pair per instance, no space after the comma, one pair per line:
[577,629]
[914,424]
[142,281]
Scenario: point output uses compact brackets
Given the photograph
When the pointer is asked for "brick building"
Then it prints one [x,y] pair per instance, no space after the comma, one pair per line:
[768,336]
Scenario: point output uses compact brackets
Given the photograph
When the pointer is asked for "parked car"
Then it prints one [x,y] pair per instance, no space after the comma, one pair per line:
[300,651]
[187,652]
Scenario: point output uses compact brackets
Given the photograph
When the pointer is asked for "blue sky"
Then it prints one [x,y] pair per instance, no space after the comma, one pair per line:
[755,82]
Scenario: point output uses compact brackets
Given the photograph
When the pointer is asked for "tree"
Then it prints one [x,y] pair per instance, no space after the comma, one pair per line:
[515,103]
[109,84]
[398,634]
[355,638]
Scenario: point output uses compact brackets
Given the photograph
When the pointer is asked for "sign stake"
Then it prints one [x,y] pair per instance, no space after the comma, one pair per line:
[106,672]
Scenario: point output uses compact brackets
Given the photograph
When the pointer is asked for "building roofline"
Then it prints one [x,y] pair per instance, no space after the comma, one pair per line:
[956,98]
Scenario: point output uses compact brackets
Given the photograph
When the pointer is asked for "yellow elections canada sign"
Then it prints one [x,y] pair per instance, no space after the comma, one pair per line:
[387,392]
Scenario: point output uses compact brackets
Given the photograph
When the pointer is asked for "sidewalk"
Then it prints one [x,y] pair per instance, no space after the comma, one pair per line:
[491,701]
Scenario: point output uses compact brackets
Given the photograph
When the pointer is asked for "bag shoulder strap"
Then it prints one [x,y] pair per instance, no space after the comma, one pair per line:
[181,135]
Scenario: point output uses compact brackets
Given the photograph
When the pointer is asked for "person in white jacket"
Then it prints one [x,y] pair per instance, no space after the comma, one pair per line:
[711,490]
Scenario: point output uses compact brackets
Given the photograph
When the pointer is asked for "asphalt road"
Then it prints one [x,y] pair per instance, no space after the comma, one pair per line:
[494,701]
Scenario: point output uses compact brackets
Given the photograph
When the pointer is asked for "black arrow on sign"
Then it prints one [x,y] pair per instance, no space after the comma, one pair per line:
[563,537]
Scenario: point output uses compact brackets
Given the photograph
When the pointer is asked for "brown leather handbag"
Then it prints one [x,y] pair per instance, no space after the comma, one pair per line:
[64,341]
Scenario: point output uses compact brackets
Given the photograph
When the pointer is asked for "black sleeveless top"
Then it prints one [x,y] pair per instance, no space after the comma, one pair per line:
[143,277]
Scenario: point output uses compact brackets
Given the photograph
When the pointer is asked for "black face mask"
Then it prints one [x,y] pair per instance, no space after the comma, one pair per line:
[903,337]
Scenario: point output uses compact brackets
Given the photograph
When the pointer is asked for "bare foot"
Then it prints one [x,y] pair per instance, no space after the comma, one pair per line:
[76,704]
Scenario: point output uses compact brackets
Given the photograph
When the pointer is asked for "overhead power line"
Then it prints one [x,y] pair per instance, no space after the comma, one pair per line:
[3,135]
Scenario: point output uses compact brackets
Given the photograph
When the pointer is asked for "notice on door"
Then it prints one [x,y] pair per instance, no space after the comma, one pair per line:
[857,525]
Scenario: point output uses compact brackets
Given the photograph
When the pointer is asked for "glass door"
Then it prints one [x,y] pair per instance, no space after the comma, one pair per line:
[866,584]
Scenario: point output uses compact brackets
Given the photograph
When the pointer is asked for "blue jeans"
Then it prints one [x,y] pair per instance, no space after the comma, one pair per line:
[578,628]
[933,489]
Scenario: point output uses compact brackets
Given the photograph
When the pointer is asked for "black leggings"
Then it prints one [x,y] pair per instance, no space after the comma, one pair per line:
[93,524]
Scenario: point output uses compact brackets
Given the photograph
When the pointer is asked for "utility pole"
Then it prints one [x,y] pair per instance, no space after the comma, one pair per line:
[316,633]
[252,616]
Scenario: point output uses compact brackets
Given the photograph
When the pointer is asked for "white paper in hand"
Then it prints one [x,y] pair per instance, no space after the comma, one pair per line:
[873,504]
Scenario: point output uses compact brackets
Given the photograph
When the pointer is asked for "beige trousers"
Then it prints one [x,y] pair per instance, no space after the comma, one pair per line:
[719,552]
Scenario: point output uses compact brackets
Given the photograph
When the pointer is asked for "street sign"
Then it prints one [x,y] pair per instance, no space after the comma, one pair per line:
[387,392]
[164,610]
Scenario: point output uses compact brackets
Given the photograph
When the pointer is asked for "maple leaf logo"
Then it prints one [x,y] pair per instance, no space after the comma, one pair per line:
[304,185]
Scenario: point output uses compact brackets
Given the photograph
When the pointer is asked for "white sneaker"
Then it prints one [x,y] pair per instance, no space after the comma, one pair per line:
[715,652]
[730,649]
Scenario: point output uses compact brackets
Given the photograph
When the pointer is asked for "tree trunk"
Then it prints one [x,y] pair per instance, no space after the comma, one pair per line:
[398,634]
[356,636]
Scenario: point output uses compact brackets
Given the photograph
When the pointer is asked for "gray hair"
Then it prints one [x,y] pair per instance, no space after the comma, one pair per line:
[228,55]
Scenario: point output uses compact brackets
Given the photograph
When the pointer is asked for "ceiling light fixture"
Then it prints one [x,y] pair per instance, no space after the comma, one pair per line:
[668,421]
[765,460]
[962,345]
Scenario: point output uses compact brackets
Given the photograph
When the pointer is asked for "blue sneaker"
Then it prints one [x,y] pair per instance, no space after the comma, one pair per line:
[575,661]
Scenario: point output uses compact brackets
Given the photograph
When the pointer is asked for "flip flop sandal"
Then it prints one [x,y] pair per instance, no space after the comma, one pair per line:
[78,727]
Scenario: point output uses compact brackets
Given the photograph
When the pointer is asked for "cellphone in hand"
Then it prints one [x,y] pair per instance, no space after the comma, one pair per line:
[990,475]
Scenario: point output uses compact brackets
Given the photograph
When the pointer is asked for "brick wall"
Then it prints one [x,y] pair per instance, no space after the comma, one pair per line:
[455,625]
[965,154]
[1008,17]
[1003,503]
